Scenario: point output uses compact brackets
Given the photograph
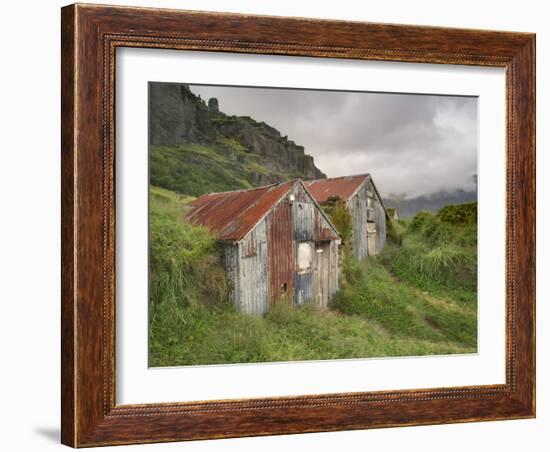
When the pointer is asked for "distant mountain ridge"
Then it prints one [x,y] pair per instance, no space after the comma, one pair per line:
[432,202]
[196,148]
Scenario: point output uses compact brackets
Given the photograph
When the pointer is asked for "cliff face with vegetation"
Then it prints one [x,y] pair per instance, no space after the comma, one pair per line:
[195,148]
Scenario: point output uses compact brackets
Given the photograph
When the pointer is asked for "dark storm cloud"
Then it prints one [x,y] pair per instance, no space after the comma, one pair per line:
[413,144]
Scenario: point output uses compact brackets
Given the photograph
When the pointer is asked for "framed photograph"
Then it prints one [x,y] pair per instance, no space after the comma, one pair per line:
[281,225]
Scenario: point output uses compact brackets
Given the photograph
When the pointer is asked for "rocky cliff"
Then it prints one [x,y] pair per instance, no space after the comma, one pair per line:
[193,133]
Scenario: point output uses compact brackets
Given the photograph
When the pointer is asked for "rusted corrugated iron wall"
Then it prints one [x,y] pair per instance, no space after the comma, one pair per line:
[253,264]
[280,248]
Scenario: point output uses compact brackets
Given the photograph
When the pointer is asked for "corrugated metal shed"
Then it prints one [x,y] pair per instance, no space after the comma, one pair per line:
[279,246]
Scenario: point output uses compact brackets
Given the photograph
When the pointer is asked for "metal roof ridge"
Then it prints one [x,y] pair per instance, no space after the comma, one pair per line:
[275,202]
[259,198]
[338,177]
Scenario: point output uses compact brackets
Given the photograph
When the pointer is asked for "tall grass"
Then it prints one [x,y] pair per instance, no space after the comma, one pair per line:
[436,254]
[185,270]
[371,292]
[375,314]
[200,336]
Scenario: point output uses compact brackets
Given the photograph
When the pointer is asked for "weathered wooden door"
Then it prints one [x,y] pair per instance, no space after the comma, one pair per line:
[304,277]
[322,274]
[372,239]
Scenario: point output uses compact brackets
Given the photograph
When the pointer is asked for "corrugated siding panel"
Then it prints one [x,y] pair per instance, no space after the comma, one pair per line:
[303,288]
[253,284]
[322,229]
[303,221]
[281,252]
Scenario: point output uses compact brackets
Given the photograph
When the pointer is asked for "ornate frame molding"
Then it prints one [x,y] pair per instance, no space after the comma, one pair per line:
[90,37]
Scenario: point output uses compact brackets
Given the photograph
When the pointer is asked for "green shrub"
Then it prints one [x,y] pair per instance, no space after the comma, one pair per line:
[459,213]
[437,255]
[339,216]
[394,232]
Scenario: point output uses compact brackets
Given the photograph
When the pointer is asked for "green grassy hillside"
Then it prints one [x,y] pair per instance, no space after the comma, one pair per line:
[424,283]
[437,252]
[184,263]
[382,309]
[196,169]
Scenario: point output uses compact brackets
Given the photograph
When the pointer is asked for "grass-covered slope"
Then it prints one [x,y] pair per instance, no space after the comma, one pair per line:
[403,310]
[424,284]
[437,252]
[185,270]
[196,169]
[377,313]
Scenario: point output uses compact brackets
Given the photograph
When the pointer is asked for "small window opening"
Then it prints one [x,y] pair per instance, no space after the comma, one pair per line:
[305,256]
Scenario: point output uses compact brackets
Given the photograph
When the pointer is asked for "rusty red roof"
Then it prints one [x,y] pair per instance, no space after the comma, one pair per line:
[230,215]
[343,187]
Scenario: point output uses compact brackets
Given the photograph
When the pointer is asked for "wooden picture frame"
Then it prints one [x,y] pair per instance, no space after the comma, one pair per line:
[90,36]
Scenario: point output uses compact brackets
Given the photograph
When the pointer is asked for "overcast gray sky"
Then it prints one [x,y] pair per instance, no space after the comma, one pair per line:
[412,144]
